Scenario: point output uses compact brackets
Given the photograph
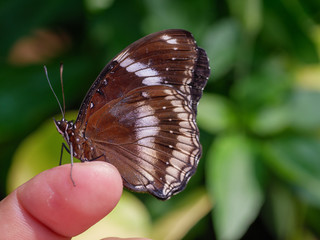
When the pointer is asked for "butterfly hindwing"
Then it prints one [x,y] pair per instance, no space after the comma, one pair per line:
[154,143]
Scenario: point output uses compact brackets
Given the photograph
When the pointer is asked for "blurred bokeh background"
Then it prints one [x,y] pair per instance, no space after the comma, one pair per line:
[259,117]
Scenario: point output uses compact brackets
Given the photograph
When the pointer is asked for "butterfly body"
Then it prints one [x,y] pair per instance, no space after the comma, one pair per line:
[140,113]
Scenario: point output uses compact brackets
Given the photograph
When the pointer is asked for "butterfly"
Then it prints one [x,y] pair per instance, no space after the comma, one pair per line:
[140,113]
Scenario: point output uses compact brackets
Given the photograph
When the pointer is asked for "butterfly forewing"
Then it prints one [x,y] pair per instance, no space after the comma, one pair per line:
[168,57]
[140,113]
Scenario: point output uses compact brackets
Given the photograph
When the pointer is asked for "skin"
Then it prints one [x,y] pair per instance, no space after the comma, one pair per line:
[50,207]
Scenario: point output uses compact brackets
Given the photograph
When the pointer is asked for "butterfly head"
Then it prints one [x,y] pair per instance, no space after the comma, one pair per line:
[78,144]
[64,127]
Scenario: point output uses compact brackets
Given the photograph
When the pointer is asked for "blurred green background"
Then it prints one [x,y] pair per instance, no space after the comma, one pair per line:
[259,117]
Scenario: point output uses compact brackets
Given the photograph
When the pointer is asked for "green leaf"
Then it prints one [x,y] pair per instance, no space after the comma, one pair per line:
[233,183]
[221,44]
[304,109]
[285,31]
[215,113]
[270,120]
[249,12]
[267,86]
[298,111]
[295,159]
[183,14]
[98,5]
[280,204]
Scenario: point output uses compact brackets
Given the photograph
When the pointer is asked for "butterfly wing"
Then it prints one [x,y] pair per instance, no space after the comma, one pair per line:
[169,57]
[140,113]
[151,137]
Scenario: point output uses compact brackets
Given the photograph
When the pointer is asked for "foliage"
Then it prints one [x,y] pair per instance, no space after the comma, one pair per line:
[259,116]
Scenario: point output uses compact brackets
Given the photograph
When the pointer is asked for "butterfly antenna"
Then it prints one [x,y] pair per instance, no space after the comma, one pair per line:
[63,99]
[46,72]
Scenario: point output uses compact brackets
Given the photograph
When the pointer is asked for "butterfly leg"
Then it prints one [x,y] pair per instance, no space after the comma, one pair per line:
[63,146]
[71,154]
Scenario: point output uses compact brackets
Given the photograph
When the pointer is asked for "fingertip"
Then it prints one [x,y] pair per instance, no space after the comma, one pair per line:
[69,210]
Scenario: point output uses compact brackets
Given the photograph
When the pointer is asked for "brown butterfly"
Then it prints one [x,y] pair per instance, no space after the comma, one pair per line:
[140,114]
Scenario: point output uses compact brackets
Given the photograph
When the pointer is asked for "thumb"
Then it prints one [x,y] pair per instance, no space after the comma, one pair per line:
[50,207]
